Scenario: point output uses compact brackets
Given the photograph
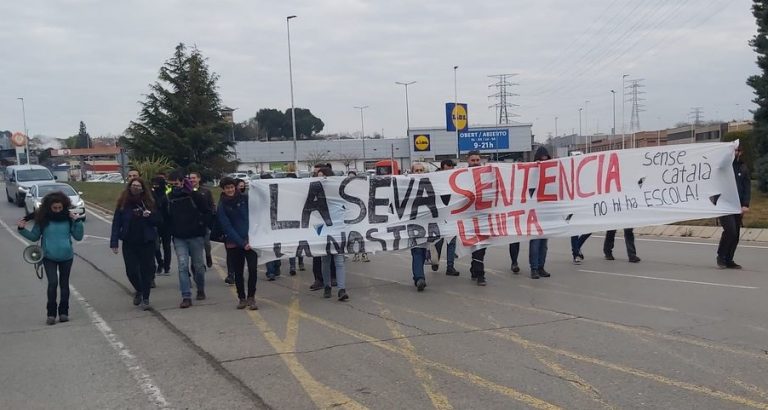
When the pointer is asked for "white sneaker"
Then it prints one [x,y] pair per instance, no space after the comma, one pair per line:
[577,260]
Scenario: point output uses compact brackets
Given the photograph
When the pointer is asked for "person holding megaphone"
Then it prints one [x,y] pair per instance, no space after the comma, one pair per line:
[55,227]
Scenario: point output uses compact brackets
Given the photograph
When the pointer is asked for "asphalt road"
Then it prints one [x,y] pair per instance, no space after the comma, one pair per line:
[669,332]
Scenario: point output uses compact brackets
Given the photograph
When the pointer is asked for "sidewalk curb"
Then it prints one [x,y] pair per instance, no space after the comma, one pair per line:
[702,232]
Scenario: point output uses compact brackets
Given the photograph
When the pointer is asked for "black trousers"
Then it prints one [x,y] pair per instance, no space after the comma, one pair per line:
[729,240]
[477,269]
[236,259]
[58,277]
[514,251]
[317,269]
[163,249]
[139,261]
[629,240]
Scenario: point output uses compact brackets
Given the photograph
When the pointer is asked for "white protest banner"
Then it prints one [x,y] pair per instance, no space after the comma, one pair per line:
[492,204]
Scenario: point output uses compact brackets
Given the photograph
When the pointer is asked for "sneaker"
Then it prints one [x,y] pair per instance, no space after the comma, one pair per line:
[609,257]
[316,285]
[271,278]
[534,274]
[230,280]
[451,271]
[185,303]
[721,264]
[732,265]
[327,292]
[63,318]
[292,272]
[241,304]
[50,321]
[136,299]
[577,260]
[334,283]
[543,273]
[145,305]
[251,302]
[481,281]
[515,269]
[200,295]
[301,267]
[343,295]
[421,284]
[365,257]
[634,259]
[208,261]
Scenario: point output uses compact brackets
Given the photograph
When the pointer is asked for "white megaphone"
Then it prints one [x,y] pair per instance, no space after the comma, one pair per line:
[33,254]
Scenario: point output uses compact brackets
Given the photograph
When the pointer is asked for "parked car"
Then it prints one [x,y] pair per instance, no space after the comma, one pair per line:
[20,178]
[239,175]
[35,195]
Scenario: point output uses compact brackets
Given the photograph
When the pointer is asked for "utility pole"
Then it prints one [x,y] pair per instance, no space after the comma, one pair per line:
[613,130]
[634,123]
[697,114]
[26,132]
[407,111]
[502,105]
[574,142]
[456,108]
[362,129]
[623,98]
[293,107]
[588,141]
[555,127]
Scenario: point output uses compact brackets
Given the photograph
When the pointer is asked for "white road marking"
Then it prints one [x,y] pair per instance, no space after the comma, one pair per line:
[96,214]
[685,242]
[130,361]
[669,279]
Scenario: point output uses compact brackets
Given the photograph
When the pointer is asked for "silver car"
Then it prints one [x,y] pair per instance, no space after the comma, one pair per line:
[36,193]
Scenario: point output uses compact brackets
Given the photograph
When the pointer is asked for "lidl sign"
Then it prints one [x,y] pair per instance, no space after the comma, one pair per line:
[421,142]
[456,117]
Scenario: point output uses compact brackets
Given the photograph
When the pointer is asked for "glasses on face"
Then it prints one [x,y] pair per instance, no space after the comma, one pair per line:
[418,171]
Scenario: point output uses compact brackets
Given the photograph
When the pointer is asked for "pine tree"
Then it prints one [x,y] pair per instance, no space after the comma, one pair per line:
[760,83]
[83,139]
[181,118]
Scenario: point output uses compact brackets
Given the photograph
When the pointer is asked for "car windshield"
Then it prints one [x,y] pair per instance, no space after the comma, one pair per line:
[24,175]
[43,190]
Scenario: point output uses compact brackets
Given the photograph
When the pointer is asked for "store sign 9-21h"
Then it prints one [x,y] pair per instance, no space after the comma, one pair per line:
[484,140]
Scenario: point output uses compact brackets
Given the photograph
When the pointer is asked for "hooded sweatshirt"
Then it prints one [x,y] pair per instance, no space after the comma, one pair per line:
[541,152]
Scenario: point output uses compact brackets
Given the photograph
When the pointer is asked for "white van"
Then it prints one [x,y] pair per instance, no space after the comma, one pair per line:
[20,178]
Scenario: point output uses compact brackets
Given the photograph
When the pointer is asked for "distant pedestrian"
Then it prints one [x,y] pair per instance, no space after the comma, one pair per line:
[731,224]
[196,180]
[450,256]
[336,260]
[629,241]
[418,252]
[477,269]
[537,248]
[233,216]
[55,227]
[241,185]
[134,222]
[163,243]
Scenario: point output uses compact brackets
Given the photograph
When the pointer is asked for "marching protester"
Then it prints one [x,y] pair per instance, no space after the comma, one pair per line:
[195,178]
[273,267]
[450,256]
[133,174]
[333,260]
[55,227]
[317,262]
[241,185]
[189,215]
[418,252]
[629,241]
[233,217]
[134,223]
[577,241]
[537,248]
[731,224]
[163,243]
[359,256]
[292,261]
[477,269]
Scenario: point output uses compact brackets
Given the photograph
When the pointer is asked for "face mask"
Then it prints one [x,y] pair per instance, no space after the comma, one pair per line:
[136,191]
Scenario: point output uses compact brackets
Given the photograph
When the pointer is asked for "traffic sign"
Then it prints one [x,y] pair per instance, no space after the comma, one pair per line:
[18,139]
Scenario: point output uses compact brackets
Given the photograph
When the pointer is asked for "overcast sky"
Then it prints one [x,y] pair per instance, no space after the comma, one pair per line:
[93,60]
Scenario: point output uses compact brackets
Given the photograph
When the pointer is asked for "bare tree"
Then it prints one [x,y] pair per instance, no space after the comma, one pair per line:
[317,156]
[347,159]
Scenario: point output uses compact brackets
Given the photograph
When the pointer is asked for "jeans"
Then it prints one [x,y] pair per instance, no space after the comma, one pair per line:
[273,268]
[140,266]
[54,281]
[236,259]
[163,249]
[729,240]
[577,242]
[537,253]
[418,255]
[186,249]
[477,268]
[514,252]
[317,270]
[451,249]
[207,244]
[629,240]
[338,262]
[292,263]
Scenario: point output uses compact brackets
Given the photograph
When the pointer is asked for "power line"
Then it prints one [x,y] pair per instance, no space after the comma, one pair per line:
[634,122]
[697,114]
[502,105]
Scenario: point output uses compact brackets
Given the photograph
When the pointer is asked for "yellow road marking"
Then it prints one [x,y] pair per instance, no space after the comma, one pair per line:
[514,337]
[470,377]
[323,396]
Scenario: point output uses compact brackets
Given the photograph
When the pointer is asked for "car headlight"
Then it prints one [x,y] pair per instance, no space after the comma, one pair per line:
[37,204]
[22,189]
[80,204]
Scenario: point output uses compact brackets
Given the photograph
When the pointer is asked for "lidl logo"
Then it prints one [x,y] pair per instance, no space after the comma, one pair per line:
[456,117]
[421,142]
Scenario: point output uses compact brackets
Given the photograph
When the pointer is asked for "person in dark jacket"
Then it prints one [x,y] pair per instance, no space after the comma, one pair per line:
[135,222]
[189,217]
[233,217]
[477,267]
[273,267]
[163,243]
[55,227]
[196,179]
[731,224]
[537,248]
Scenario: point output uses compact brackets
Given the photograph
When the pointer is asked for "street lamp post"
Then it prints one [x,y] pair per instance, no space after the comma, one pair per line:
[362,129]
[26,133]
[573,142]
[623,88]
[293,107]
[407,112]
[588,141]
[613,130]
[555,127]
[456,108]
